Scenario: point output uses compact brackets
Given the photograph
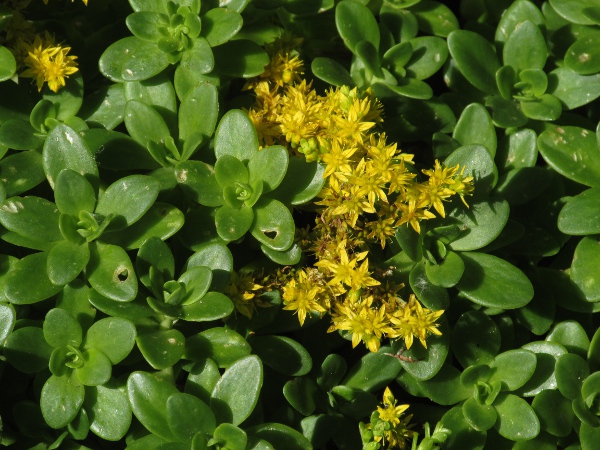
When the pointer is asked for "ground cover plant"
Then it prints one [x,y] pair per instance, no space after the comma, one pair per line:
[297,224]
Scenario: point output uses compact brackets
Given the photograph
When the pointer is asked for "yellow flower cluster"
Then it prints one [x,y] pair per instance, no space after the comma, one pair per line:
[40,57]
[388,425]
[371,189]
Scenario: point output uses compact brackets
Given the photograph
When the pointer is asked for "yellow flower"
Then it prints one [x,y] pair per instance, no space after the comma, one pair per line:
[415,321]
[344,270]
[390,412]
[412,214]
[302,295]
[245,293]
[48,63]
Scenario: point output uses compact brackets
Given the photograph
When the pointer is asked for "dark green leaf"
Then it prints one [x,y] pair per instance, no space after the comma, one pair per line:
[580,213]
[554,412]
[31,217]
[219,25]
[187,415]
[66,260]
[198,111]
[280,436]
[572,89]
[273,224]
[525,48]
[198,58]
[331,72]
[198,181]
[7,63]
[582,57]
[236,136]
[479,164]
[516,419]
[432,296]
[131,59]
[61,399]
[475,58]
[233,223]
[570,371]
[27,350]
[62,329]
[491,281]
[356,23]
[475,339]
[445,273]
[517,150]
[28,282]
[282,354]
[302,393]
[475,127]
[19,135]
[148,396]
[222,345]
[21,172]
[108,411]
[113,336]
[434,17]
[429,53]
[96,369]
[236,393]
[249,60]
[111,273]
[269,165]
[373,371]
[162,349]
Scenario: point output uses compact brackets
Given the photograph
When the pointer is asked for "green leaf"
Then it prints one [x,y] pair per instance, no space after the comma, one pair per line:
[229,170]
[96,369]
[491,281]
[447,272]
[202,379]
[62,329]
[444,388]
[131,59]
[475,58]
[8,318]
[154,253]
[188,415]
[519,186]
[198,58]
[583,57]
[148,396]
[222,345]
[233,223]
[516,419]
[19,135]
[515,14]
[525,48]
[475,339]
[128,199]
[434,17]
[198,181]
[145,124]
[108,411]
[111,273]
[505,363]
[475,127]
[571,335]
[572,152]
[66,260]
[133,310]
[65,149]
[236,136]
[479,164]
[219,25]
[161,221]
[302,393]
[28,282]
[463,435]
[574,10]
[505,113]
[331,72]
[269,165]
[482,223]
[145,25]
[31,217]
[212,306]
[273,224]
[230,437]
[249,61]
[21,172]
[373,371]
[236,393]
[554,412]
[26,350]
[280,436]
[301,183]
[480,417]
[282,354]
[517,150]
[105,106]
[545,107]
[356,23]
[8,64]
[570,371]
[73,193]
[411,242]
[198,111]
[429,53]
[113,336]
[432,296]
[61,399]
[579,215]
[566,293]
[218,258]
[162,349]
[547,353]
[572,89]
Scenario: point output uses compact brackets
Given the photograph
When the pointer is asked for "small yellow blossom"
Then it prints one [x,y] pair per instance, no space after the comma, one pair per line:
[389,425]
[245,293]
[415,321]
[302,295]
[48,63]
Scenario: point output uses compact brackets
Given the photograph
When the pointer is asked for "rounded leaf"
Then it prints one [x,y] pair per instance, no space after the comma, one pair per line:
[131,59]
[148,396]
[282,354]
[447,272]
[475,126]
[570,372]
[62,329]
[505,363]
[525,48]
[66,260]
[108,411]
[188,415]
[579,215]
[432,296]
[280,436]
[373,371]
[236,393]
[554,412]
[96,369]
[475,339]
[199,110]
[516,419]
[233,223]
[480,417]
[240,58]
[269,165]
[586,257]
[162,349]
[111,273]
[491,281]
[547,353]
[33,218]
[479,164]
[27,282]
[273,224]
[572,89]
[61,399]
[113,336]
[21,172]
[26,350]
[222,345]
[355,23]
[236,136]
[64,148]
[219,25]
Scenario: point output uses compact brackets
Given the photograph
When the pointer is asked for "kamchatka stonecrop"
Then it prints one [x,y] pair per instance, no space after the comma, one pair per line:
[371,189]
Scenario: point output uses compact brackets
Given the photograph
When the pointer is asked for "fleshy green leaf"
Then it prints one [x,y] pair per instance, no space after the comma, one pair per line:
[273,224]
[62,329]
[516,419]
[580,213]
[28,282]
[96,369]
[236,393]
[26,350]
[188,415]
[113,336]
[236,136]
[219,25]
[66,260]
[111,273]
[491,281]
[131,59]
[355,23]
[31,217]
[525,48]
[475,339]
[282,354]
[475,127]
[108,411]
[162,349]
[269,165]
[61,399]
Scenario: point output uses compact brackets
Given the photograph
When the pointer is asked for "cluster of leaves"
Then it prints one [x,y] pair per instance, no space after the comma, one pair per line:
[173,230]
